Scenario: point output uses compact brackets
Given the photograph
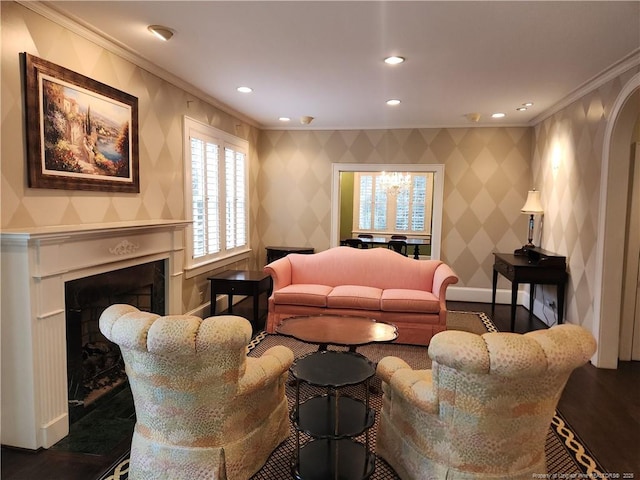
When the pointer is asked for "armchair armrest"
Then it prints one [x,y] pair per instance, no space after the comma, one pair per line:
[387,366]
[265,369]
[280,271]
[415,386]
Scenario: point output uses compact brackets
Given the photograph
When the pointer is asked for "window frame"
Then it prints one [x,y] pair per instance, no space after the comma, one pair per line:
[197,266]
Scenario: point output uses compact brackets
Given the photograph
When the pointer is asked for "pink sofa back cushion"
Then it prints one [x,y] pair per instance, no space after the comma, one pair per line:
[374,267]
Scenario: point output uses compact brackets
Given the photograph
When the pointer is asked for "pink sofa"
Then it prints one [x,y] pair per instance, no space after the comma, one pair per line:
[376,283]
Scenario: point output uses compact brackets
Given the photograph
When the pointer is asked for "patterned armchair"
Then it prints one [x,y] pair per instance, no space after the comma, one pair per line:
[485,407]
[204,409]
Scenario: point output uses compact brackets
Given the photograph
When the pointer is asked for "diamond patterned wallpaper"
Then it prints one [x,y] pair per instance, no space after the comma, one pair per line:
[487,170]
[161,109]
[567,162]
[486,180]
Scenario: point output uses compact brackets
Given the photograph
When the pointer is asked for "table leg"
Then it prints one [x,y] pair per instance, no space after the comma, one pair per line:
[560,295]
[256,302]
[416,252]
[230,300]
[514,299]
[531,292]
[212,303]
[493,292]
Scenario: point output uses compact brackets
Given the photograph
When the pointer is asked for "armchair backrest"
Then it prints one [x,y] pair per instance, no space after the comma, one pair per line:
[499,391]
[183,370]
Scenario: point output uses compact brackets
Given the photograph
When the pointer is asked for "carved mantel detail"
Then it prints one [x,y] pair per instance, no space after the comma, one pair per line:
[125,247]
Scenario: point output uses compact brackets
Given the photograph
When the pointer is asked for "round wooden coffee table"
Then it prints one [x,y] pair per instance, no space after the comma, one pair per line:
[342,330]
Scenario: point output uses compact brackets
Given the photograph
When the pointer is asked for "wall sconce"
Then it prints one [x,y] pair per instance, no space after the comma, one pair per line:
[532,207]
[163,33]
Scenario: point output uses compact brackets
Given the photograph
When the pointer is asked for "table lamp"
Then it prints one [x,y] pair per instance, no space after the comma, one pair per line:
[532,207]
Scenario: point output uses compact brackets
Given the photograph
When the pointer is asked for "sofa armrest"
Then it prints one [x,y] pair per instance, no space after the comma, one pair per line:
[442,278]
[280,271]
[415,386]
[266,369]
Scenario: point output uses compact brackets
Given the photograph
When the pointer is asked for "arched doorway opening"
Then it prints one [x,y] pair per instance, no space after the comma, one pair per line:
[612,231]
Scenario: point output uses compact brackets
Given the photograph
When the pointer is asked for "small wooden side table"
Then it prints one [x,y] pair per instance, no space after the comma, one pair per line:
[240,282]
[550,270]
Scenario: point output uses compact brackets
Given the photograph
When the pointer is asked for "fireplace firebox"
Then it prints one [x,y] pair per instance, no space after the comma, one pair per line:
[94,364]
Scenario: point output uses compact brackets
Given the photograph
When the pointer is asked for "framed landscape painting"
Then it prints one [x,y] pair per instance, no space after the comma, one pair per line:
[81,134]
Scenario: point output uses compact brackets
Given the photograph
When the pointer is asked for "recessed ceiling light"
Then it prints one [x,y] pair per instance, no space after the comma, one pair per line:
[393,102]
[162,32]
[245,89]
[528,104]
[498,115]
[284,119]
[521,109]
[394,60]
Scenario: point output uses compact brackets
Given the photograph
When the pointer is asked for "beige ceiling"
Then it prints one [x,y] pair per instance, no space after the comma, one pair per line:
[324,59]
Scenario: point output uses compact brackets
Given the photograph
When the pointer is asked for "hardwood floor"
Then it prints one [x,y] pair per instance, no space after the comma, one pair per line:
[602,407]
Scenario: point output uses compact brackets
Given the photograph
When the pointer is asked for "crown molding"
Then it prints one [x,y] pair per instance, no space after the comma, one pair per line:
[630,61]
[118,48]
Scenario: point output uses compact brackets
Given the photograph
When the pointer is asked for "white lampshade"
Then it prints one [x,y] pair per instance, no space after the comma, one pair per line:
[532,206]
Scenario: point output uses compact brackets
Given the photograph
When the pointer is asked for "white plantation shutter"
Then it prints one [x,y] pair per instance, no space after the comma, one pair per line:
[213,199]
[217,193]
[380,206]
[418,203]
[198,191]
[404,212]
[236,218]
[366,202]
[204,184]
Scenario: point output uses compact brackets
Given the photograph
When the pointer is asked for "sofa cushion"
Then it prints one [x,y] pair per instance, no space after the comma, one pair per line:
[302,294]
[354,296]
[405,300]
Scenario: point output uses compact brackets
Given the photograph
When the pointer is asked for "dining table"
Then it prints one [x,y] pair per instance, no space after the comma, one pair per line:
[385,239]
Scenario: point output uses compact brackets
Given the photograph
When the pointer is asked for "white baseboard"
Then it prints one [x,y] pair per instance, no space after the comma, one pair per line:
[483,295]
[503,297]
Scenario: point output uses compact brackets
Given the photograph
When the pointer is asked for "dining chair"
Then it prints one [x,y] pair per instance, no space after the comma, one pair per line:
[399,246]
[398,237]
[354,243]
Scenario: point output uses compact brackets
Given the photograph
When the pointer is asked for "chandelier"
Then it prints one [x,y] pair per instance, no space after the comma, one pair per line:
[395,182]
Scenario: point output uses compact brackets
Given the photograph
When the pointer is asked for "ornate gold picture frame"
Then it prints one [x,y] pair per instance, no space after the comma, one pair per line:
[81,134]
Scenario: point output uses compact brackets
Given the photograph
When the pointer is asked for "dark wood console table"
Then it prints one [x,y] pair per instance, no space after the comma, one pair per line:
[535,267]
[274,253]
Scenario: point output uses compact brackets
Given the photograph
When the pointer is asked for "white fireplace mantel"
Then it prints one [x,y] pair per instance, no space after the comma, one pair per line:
[36,263]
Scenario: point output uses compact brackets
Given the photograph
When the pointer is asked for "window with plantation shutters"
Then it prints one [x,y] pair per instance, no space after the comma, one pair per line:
[216,194]
[403,211]
[235,196]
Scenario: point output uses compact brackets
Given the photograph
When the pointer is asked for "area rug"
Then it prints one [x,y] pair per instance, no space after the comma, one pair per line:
[565,452]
